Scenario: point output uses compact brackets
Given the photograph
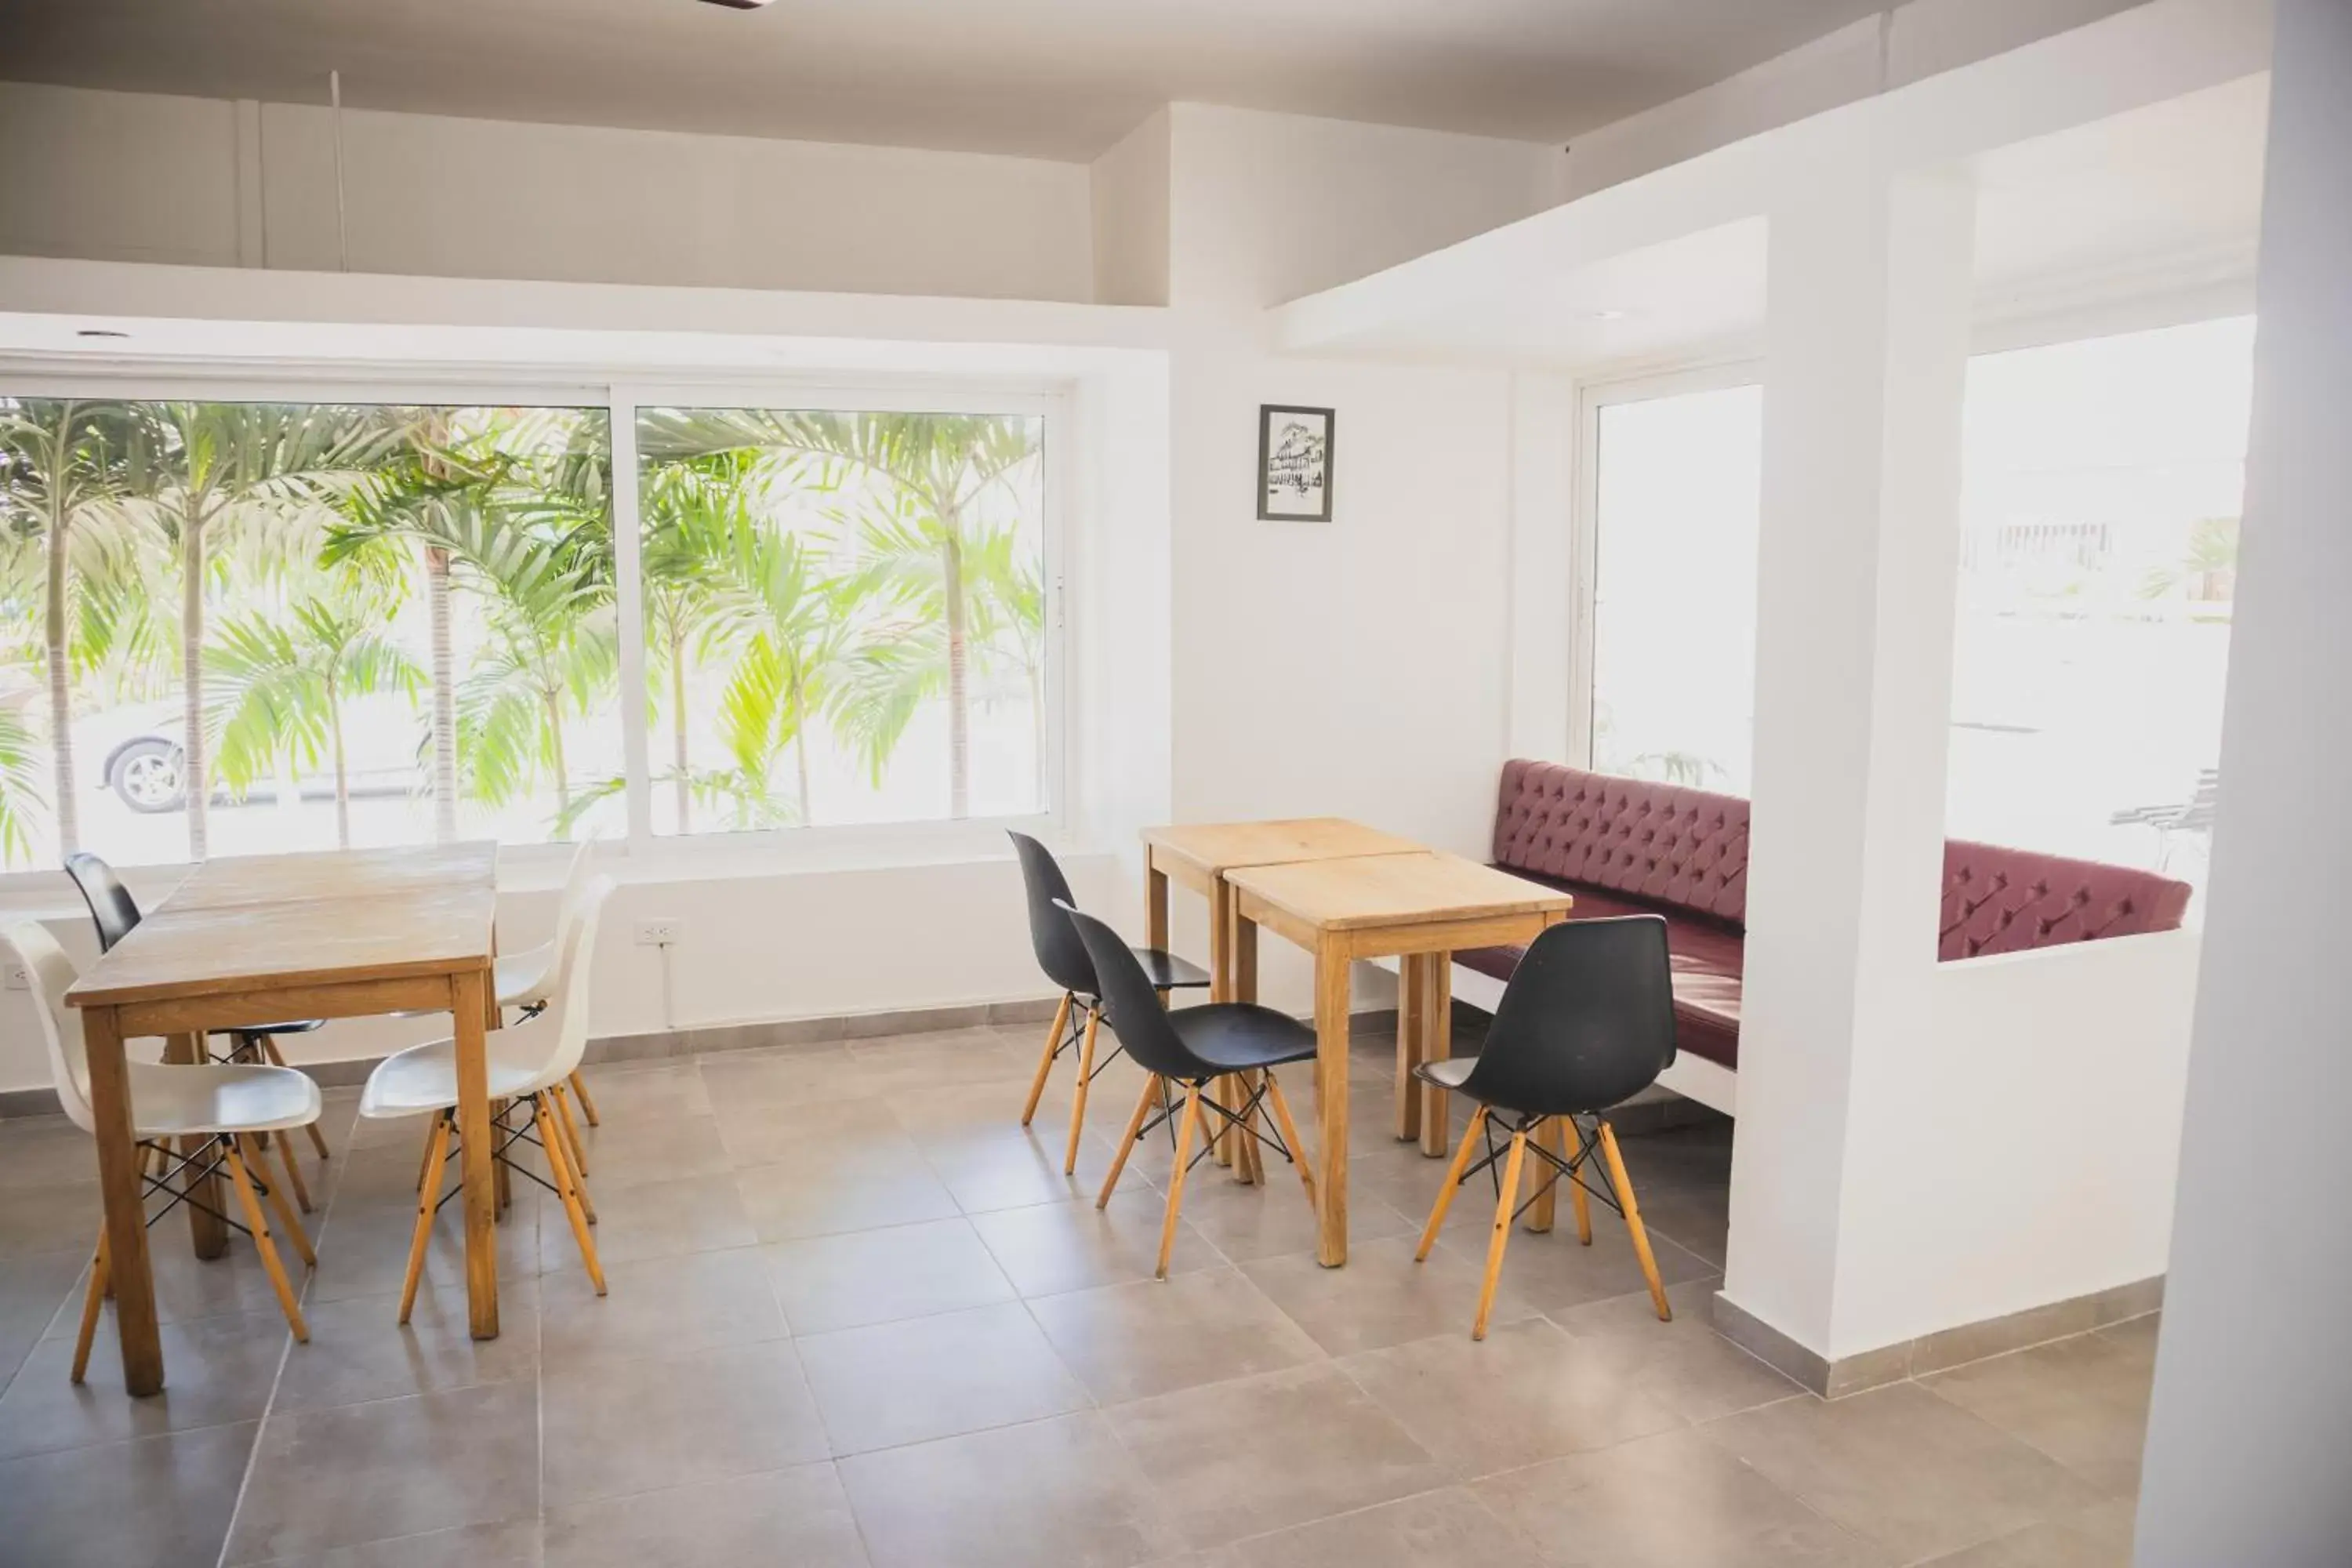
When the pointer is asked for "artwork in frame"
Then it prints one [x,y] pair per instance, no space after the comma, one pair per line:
[1294,464]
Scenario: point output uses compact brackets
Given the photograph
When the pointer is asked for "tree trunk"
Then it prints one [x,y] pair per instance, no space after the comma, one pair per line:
[195,775]
[61,751]
[678,726]
[959,693]
[445,697]
[799,743]
[343,772]
[555,757]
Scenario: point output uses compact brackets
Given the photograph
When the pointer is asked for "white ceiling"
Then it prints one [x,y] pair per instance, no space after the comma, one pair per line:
[1054,79]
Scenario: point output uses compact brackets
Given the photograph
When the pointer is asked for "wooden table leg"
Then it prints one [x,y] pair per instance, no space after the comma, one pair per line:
[468,1008]
[1155,904]
[1412,1007]
[206,1230]
[1331,966]
[1437,1045]
[1244,982]
[126,1209]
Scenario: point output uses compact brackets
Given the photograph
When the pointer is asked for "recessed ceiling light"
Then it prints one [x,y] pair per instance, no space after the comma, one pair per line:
[1607,315]
[100,332]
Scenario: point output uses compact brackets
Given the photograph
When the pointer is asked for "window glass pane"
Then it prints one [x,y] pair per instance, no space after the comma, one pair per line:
[1674,646]
[2103,484]
[845,617]
[394,625]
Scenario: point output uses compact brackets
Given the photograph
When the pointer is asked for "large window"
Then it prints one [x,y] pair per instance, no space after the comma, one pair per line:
[236,627]
[2103,484]
[845,615]
[1673,553]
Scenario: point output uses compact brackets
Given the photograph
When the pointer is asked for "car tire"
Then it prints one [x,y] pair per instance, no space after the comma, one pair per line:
[147,776]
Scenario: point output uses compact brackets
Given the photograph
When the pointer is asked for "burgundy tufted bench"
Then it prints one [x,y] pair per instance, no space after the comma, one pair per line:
[1631,846]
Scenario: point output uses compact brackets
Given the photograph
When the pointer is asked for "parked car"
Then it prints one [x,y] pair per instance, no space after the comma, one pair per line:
[143,759]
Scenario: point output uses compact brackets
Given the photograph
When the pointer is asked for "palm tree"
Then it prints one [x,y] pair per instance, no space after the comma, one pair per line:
[284,679]
[63,465]
[690,509]
[939,471]
[274,468]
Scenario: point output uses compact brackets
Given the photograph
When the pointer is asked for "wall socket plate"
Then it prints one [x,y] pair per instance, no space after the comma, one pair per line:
[663,931]
[17,977]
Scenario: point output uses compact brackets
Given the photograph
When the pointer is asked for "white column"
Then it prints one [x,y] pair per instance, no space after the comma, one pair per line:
[2250,1430]
[1866,344]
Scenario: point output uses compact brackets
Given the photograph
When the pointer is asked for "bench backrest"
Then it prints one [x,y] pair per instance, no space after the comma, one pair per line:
[1686,851]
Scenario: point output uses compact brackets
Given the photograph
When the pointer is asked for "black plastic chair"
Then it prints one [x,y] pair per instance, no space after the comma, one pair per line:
[1586,1023]
[1189,1049]
[1064,959]
[114,912]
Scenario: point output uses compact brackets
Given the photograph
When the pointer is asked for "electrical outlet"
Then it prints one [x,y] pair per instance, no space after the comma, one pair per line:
[660,933]
[19,978]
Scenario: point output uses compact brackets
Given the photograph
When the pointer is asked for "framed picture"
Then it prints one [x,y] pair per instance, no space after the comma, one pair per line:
[1294,464]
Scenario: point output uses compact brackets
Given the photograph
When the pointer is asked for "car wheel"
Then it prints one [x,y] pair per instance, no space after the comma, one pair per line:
[146,776]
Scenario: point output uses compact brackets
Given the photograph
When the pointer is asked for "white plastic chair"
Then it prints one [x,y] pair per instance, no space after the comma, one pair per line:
[227,1106]
[530,978]
[527,1063]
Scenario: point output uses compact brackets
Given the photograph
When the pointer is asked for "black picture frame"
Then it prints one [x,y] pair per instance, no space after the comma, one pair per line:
[1319,462]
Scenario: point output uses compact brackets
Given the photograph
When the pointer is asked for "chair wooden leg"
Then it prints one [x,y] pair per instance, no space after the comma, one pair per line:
[257,1158]
[1289,1131]
[428,1203]
[276,1059]
[251,1204]
[1583,1204]
[89,1303]
[1452,1185]
[1176,1181]
[1502,1236]
[283,1143]
[1078,1103]
[587,1106]
[1045,1060]
[571,1192]
[1625,1186]
[571,1144]
[1128,1140]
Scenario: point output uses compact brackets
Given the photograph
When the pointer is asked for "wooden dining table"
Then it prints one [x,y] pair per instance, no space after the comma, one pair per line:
[1198,856]
[260,939]
[1420,909]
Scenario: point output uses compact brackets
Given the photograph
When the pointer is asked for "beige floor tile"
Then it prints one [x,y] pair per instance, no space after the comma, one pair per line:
[1436,1529]
[1527,1391]
[795,1518]
[2082,1401]
[771,1132]
[1060,1491]
[658,1306]
[657,1220]
[46,1151]
[155,1502]
[1248,1223]
[1556,1272]
[877,1179]
[631,1091]
[805,1077]
[1238,1460]
[220,1372]
[999,1164]
[364,1248]
[1668,1502]
[1381,1296]
[359,1350]
[1046,1250]
[357,1473]
[58,1218]
[1698,1373]
[879,1276]
[1152,1337]
[618,1428]
[630,1150]
[1911,1471]
[36,1290]
[912,1381]
[515,1544]
[895,1064]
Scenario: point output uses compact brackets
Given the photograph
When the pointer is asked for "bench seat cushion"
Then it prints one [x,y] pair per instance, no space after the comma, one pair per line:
[1707,960]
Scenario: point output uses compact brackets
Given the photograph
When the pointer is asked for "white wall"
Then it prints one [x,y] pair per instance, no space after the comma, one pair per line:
[1129,190]
[1904,43]
[2251,1417]
[144,177]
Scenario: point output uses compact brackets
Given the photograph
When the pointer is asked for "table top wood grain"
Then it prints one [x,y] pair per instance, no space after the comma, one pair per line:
[1373,890]
[253,922]
[1219,847]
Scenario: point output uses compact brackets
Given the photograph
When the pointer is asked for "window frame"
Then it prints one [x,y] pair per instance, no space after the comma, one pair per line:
[1584,514]
[621,394]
